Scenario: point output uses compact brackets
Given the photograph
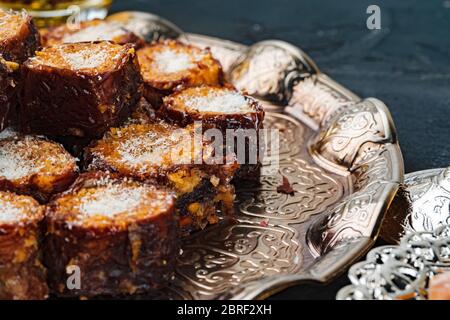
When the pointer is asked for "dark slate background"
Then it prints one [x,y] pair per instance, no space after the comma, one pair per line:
[406,64]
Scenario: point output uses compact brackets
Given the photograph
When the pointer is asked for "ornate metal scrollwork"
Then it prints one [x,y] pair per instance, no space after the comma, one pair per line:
[400,272]
[270,69]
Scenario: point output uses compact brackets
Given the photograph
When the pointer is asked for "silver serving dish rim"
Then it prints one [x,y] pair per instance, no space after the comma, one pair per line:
[400,271]
[424,228]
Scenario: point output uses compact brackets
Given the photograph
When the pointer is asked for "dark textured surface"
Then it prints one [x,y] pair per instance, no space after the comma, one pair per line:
[406,64]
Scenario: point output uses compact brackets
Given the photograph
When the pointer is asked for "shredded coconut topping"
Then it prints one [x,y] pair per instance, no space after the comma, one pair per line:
[160,149]
[78,56]
[147,148]
[222,101]
[9,212]
[102,31]
[171,61]
[85,59]
[23,157]
[112,201]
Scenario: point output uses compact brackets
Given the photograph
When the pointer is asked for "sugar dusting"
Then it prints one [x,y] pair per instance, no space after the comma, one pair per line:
[111,201]
[9,212]
[23,157]
[144,149]
[103,31]
[222,101]
[171,61]
[88,58]
[79,56]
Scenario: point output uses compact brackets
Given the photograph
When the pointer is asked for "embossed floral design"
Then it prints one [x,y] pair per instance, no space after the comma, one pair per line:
[315,99]
[233,253]
[430,198]
[393,272]
[314,192]
[366,122]
[269,70]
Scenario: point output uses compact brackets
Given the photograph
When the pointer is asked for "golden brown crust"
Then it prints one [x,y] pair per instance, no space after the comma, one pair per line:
[162,154]
[85,204]
[88,58]
[22,275]
[152,151]
[19,38]
[80,89]
[222,108]
[35,166]
[120,233]
[170,64]
[94,30]
[215,107]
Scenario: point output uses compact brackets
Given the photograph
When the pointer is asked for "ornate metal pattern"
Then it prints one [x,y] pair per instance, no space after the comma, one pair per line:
[429,193]
[270,69]
[315,191]
[290,130]
[400,272]
[317,98]
[422,205]
[235,252]
[148,26]
[339,153]
[351,219]
[365,122]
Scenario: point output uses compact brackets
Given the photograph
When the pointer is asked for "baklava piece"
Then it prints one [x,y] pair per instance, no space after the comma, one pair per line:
[19,38]
[118,234]
[162,154]
[34,166]
[79,89]
[22,275]
[95,30]
[9,81]
[215,107]
[168,65]
[237,116]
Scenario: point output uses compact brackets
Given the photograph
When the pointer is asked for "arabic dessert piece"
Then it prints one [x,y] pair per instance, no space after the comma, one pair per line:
[162,154]
[80,89]
[238,117]
[19,38]
[9,83]
[169,65]
[120,235]
[35,166]
[22,275]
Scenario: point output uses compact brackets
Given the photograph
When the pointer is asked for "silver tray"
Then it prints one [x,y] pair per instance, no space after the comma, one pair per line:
[419,222]
[339,152]
[402,271]
[421,205]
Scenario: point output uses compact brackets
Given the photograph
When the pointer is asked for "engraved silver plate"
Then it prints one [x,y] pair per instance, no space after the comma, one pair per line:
[339,152]
[420,217]
[423,204]
[400,272]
